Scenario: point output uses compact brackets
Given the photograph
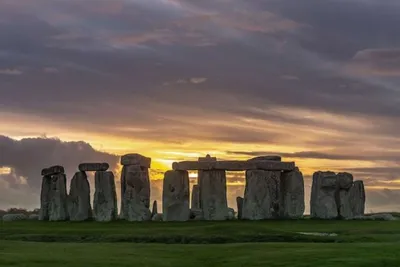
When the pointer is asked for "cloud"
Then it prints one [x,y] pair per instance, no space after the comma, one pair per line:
[198,80]
[12,72]
[380,62]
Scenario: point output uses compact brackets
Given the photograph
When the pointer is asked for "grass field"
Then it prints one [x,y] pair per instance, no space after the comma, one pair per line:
[358,243]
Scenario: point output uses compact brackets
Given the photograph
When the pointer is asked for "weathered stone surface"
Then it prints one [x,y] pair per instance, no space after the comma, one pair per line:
[196,214]
[272,157]
[176,196]
[357,195]
[53,170]
[344,180]
[154,211]
[45,198]
[136,159]
[105,197]
[157,217]
[323,196]
[14,217]
[123,189]
[213,201]
[136,198]
[93,167]
[196,197]
[259,195]
[79,207]
[292,194]
[58,198]
[233,165]
[344,200]
[33,217]
[239,203]
[231,214]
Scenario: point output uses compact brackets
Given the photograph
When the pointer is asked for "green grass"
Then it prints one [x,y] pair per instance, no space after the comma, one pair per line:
[32,254]
[359,243]
[202,232]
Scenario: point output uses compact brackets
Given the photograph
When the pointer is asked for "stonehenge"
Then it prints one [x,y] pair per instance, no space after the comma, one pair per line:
[176,196]
[336,196]
[135,188]
[274,189]
[105,197]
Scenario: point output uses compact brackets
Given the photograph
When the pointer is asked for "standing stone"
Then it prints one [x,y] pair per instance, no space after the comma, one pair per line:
[45,198]
[176,196]
[343,196]
[155,209]
[292,194]
[323,196]
[357,195]
[136,198]
[58,198]
[105,197]
[259,195]
[79,207]
[213,199]
[123,189]
[239,202]
[196,197]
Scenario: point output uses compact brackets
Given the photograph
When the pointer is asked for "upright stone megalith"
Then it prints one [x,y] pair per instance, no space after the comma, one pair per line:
[58,198]
[45,198]
[135,188]
[136,198]
[79,207]
[213,199]
[357,193]
[176,196]
[105,197]
[292,194]
[195,197]
[239,203]
[344,196]
[323,196]
[259,195]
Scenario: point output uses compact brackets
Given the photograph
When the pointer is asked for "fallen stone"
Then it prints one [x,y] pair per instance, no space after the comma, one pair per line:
[155,209]
[79,207]
[33,217]
[157,217]
[53,170]
[136,159]
[136,198]
[45,198]
[14,217]
[323,196]
[93,167]
[357,195]
[58,198]
[259,195]
[262,158]
[196,197]
[292,194]
[176,196]
[213,201]
[233,165]
[239,203]
[105,197]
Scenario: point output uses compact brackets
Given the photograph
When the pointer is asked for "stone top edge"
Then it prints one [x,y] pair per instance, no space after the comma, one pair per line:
[235,165]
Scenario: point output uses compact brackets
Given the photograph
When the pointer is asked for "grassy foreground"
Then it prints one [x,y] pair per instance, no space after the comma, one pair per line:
[358,243]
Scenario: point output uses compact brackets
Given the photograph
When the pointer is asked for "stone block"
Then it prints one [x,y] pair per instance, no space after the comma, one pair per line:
[213,200]
[58,198]
[323,196]
[136,159]
[196,197]
[292,194]
[53,170]
[79,207]
[239,203]
[105,197]
[93,167]
[234,165]
[176,196]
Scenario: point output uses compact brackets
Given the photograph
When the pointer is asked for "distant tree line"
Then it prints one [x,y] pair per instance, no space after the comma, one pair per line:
[18,211]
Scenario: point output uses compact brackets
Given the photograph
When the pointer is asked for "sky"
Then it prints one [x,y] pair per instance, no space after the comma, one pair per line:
[317,82]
